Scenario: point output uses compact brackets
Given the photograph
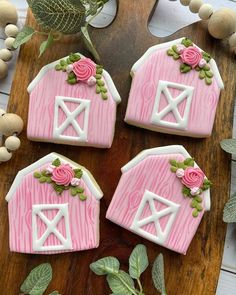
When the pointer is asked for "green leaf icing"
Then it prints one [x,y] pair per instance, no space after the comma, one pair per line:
[45,176]
[196,199]
[100,87]
[205,72]
[38,280]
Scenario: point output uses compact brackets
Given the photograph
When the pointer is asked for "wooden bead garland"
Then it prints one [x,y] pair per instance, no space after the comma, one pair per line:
[221,23]
[11,125]
[8,20]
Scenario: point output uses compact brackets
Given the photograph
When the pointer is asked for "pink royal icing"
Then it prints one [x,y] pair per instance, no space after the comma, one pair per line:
[63,174]
[75,181]
[193,177]
[84,69]
[191,56]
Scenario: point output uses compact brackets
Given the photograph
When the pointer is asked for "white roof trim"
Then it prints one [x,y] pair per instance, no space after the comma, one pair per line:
[46,68]
[154,48]
[171,149]
[87,177]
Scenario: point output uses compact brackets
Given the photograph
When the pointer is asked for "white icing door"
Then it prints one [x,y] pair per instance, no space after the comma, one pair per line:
[172,105]
[39,218]
[65,118]
[153,216]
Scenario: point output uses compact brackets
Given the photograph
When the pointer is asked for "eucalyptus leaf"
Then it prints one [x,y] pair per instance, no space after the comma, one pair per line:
[23,36]
[38,280]
[121,283]
[46,44]
[229,215]
[158,274]
[229,145]
[107,265]
[89,44]
[138,261]
[65,16]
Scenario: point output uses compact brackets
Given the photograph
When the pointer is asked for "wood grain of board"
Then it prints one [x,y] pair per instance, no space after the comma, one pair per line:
[120,45]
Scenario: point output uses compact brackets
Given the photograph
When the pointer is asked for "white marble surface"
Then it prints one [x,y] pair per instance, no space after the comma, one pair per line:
[168,18]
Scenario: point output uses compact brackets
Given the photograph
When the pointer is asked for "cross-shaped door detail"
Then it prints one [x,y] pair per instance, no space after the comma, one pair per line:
[51,227]
[158,116]
[71,118]
[139,222]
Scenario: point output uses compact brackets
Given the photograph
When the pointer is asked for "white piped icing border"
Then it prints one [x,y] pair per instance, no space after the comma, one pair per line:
[154,48]
[87,176]
[165,150]
[110,84]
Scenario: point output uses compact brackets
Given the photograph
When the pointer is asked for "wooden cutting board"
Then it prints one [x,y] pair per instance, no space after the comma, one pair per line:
[120,45]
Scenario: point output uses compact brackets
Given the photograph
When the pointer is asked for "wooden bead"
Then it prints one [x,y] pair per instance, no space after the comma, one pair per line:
[5,54]
[8,14]
[9,43]
[12,143]
[185,2]
[205,11]
[222,23]
[4,154]
[232,40]
[11,30]
[3,69]
[11,124]
[195,5]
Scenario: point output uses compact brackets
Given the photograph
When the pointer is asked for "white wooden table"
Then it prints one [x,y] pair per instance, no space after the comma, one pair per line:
[168,18]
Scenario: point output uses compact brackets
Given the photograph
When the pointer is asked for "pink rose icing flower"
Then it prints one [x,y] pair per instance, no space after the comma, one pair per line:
[84,69]
[180,173]
[63,174]
[193,177]
[191,56]
[75,181]
[195,191]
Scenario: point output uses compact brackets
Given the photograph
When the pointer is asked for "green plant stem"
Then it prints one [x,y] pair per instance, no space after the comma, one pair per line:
[140,285]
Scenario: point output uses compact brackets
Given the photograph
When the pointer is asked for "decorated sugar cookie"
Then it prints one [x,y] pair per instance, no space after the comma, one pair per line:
[175,89]
[73,101]
[53,207]
[161,196]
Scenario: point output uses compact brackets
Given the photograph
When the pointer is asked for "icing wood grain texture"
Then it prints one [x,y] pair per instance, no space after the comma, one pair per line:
[120,45]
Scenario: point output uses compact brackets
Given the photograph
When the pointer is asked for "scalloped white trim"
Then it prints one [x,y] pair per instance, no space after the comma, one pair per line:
[154,48]
[165,150]
[87,177]
[110,84]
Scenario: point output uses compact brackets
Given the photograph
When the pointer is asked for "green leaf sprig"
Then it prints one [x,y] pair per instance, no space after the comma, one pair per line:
[38,280]
[61,17]
[123,283]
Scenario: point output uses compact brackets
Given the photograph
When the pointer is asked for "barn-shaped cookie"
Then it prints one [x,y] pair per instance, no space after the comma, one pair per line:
[73,101]
[161,196]
[53,207]
[175,89]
